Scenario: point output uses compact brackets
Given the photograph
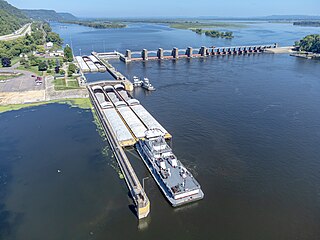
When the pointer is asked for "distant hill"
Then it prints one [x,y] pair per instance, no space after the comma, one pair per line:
[292,17]
[48,15]
[11,18]
[266,18]
[67,17]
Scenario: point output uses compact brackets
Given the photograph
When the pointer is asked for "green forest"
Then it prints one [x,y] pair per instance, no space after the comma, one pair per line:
[41,32]
[11,18]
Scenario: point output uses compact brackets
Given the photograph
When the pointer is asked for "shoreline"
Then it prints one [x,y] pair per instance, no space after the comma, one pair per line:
[15,100]
[83,103]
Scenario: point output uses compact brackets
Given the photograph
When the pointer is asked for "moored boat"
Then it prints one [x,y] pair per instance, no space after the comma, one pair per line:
[147,85]
[137,82]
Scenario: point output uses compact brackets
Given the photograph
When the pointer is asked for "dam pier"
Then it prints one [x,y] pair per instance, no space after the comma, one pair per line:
[190,52]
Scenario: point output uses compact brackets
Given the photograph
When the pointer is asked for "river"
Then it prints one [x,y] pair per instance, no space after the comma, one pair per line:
[246,126]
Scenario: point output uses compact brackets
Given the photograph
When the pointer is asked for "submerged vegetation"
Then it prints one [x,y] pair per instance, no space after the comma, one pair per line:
[83,103]
[97,24]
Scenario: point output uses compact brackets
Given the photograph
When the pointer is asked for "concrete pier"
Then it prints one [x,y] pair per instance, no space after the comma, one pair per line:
[190,52]
[141,201]
[144,54]
[160,53]
[175,53]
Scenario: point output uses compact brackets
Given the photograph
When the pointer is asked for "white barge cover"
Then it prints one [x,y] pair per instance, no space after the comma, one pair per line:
[84,67]
[134,123]
[93,59]
[148,119]
[119,128]
[92,66]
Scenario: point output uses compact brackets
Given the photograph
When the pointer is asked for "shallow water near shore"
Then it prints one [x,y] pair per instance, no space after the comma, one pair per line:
[246,126]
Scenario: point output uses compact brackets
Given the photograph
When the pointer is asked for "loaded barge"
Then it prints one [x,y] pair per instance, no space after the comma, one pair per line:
[127,123]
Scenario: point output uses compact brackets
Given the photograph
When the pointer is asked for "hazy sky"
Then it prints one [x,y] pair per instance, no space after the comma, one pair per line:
[149,8]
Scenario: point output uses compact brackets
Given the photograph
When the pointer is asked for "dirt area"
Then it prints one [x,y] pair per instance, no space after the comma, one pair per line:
[22,97]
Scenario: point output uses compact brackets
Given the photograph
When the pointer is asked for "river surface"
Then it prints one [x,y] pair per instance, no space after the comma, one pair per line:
[246,126]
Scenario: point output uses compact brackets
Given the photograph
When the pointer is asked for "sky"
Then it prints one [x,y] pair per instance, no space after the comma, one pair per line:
[174,8]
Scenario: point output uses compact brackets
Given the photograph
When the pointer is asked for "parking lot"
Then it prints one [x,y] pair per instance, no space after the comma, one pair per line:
[25,82]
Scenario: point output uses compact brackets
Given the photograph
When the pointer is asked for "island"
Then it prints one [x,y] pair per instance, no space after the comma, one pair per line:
[307,23]
[214,33]
[207,28]
[97,24]
[308,47]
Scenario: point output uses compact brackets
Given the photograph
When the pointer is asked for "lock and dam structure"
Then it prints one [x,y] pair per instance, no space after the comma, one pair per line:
[190,52]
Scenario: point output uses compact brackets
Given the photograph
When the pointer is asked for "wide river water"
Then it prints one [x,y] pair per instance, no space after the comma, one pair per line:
[246,126]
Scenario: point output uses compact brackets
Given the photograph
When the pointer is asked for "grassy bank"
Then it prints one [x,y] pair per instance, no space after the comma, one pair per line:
[83,103]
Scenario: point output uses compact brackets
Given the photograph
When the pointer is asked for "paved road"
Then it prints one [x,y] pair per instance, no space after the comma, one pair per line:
[26,29]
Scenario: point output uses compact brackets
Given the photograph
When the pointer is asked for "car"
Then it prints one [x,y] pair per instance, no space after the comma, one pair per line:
[33,75]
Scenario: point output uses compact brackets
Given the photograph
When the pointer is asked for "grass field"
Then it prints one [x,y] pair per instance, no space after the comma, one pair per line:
[33,69]
[61,84]
[2,77]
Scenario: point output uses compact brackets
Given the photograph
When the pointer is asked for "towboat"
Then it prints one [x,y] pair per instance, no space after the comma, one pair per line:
[176,181]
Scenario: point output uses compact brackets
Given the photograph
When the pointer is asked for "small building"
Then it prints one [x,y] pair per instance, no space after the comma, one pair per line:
[49,45]
[58,53]
[23,55]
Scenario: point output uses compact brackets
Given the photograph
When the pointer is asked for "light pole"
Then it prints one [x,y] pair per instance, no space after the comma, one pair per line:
[143,181]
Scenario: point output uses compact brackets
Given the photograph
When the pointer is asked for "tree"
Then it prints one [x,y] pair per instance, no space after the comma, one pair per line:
[34,61]
[6,62]
[41,49]
[62,72]
[68,55]
[54,37]
[310,43]
[46,27]
[43,66]
[71,69]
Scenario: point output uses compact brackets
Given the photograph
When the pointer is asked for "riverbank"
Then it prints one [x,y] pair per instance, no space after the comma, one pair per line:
[83,103]
[14,95]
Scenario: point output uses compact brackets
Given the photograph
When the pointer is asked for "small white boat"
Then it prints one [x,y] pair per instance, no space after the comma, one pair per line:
[137,82]
[147,85]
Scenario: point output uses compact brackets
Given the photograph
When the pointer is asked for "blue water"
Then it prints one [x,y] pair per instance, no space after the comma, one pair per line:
[152,36]
[246,126]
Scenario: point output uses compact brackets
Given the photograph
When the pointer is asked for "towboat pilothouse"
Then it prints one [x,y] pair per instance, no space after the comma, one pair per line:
[176,182]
